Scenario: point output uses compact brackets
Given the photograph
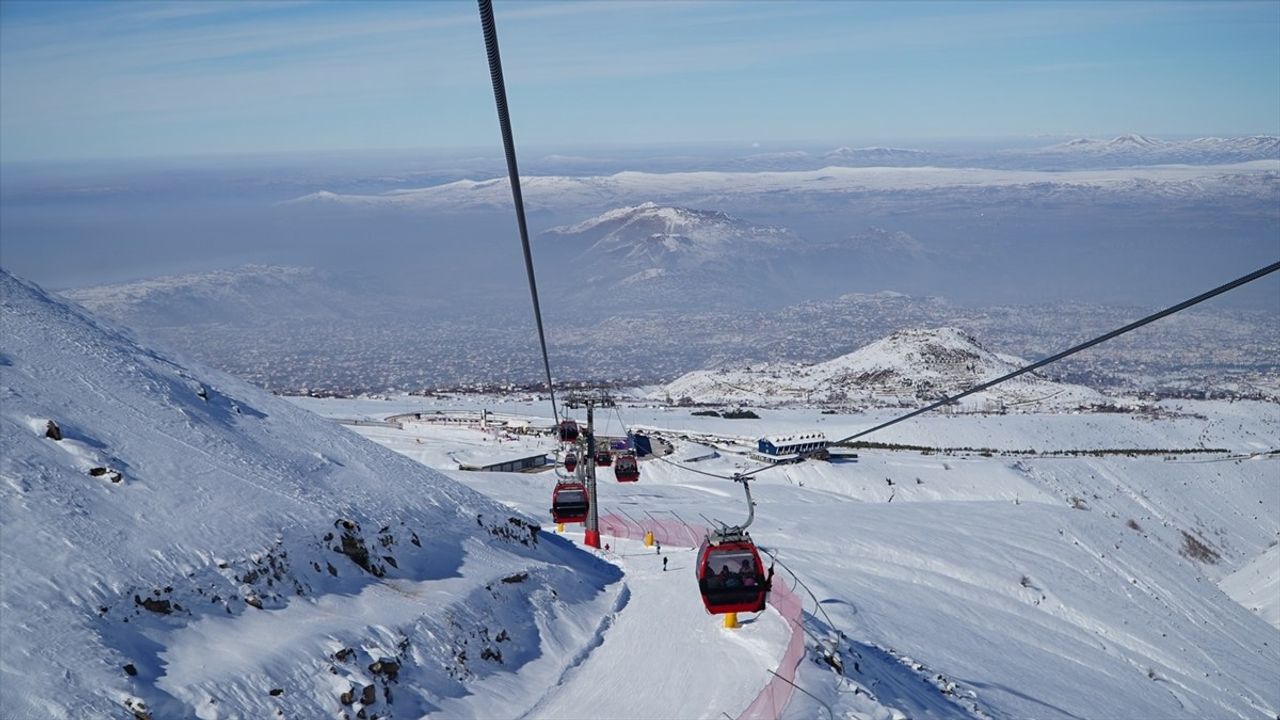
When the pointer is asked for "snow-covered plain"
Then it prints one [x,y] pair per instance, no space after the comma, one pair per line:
[973,586]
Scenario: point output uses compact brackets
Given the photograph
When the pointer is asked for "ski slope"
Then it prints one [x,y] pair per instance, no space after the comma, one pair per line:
[663,656]
[980,586]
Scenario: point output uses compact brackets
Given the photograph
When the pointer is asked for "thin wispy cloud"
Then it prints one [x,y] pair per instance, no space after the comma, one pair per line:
[169,70]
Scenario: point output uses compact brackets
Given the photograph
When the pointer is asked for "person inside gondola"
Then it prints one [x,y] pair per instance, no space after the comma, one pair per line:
[747,573]
[731,580]
[720,579]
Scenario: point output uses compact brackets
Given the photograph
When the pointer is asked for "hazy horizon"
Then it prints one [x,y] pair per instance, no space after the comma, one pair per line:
[106,80]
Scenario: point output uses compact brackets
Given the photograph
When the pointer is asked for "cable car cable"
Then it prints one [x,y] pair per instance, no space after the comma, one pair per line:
[1065,353]
[508,144]
[695,469]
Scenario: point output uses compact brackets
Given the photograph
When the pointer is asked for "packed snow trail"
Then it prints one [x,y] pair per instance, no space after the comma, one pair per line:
[634,672]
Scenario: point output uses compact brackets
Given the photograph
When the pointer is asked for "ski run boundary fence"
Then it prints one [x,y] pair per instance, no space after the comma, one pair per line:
[774,696]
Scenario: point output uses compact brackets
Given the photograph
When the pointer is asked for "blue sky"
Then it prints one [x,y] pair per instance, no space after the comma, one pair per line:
[83,80]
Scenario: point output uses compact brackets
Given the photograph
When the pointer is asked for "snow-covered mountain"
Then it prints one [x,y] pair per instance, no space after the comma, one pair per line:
[908,367]
[1142,150]
[888,156]
[651,254]
[804,187]
[177,543]
[650,236]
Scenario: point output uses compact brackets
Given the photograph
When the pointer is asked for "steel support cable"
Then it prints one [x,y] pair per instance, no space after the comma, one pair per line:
[1065,353]
[692,469]
[508,144]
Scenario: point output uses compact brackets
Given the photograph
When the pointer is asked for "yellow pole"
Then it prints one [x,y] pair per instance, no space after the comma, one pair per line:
[559,527]
[648,539]
[731,621]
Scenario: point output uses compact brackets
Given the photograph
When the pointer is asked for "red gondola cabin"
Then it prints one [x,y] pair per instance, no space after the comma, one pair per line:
[604,458]
[570,462]
[731,577]
[568,431]
[569,503]
[626,469]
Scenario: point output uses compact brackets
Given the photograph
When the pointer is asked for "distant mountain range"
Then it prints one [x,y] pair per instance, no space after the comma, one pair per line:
[1143,150]
[907,368]
[1068,178]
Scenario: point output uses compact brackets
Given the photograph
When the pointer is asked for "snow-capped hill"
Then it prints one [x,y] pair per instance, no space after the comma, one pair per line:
[1122,143]
[652,235]
[941,361]
[651,254]
[878,156]
[1134,141]
[932,363]
[320,196]
[177,543]
[908,367]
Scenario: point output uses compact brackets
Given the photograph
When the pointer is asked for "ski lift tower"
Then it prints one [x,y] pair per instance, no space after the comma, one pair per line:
[592,535]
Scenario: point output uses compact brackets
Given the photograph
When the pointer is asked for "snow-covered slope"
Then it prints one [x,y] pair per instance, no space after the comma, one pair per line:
[965,586]
[1257,585]
[176,543]
[904,368]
